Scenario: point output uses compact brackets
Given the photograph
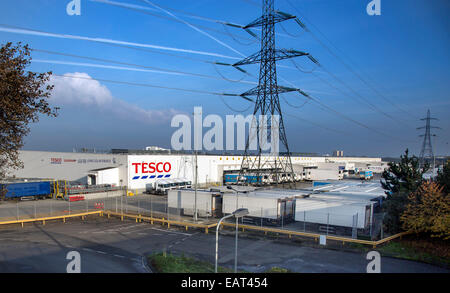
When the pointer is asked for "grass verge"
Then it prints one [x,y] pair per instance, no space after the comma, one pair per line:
[169,263]
[423,250]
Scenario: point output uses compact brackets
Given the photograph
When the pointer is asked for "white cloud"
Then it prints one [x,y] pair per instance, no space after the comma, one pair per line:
[79,89]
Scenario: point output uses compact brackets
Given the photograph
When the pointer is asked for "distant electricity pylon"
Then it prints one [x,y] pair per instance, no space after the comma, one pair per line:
[267,103]
[426,154]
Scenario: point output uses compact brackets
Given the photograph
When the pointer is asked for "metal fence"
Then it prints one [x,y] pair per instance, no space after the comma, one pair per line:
[156,206]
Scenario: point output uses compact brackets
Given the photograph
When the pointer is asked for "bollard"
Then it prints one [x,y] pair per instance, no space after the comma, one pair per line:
[22,224]
[186,228]
[206,230]
[43,222]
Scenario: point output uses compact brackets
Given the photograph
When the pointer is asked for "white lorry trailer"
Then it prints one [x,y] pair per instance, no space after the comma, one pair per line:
[209,204]
[264,207]
[340,210]
[321,174]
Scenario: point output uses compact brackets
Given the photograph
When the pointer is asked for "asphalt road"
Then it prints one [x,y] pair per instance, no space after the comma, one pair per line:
[115,246]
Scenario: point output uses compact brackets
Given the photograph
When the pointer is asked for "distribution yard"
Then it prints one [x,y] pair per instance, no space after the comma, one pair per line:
[110,245]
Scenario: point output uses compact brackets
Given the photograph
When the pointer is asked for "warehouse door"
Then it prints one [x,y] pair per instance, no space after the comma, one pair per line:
[92,179]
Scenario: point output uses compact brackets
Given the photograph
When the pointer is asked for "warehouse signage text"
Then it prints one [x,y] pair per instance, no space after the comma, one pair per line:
[267,138]
[152,167]
[158,169]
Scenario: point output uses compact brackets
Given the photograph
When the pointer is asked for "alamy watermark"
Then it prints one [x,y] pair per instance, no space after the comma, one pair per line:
[73,8]
[374,7]
[74,265]
[267,138]
[374,266]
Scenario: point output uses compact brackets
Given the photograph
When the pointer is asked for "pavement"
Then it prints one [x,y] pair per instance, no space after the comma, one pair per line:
[110,245]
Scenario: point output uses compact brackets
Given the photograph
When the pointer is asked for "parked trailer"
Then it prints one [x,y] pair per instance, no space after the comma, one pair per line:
[340,211]
[27,189]
[365,175]
[321,174]
[209,204]
[264,207]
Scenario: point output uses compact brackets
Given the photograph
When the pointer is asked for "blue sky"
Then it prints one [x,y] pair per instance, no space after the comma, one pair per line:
[403,54]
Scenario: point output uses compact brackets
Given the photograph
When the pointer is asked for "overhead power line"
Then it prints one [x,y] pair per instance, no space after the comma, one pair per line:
[149,68]
[144,9]
[151,86]
[350,68]
[20,30]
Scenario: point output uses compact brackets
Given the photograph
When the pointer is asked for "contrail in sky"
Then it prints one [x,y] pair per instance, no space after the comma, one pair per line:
[195,28]
[131,69]
[24,31]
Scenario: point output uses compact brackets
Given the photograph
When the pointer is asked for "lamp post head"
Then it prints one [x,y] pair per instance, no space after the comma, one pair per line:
[240,212]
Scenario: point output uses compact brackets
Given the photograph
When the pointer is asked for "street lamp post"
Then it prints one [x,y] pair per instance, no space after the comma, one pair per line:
[237,213]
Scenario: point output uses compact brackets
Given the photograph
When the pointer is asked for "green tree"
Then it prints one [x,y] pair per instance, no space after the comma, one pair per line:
[399,181]
[24,95]
[443,178]
[428,211]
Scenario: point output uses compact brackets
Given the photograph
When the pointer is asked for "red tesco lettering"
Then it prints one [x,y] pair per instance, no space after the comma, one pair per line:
[152,167]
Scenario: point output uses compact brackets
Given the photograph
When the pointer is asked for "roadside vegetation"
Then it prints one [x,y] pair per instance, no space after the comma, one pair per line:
[419,207]
[168,263]
[432,251]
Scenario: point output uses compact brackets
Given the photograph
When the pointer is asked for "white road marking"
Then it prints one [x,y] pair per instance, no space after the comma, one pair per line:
[168,231]
[326,186]
[339,188]
[371,189]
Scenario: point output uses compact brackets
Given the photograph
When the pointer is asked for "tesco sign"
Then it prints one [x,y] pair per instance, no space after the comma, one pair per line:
[152,167]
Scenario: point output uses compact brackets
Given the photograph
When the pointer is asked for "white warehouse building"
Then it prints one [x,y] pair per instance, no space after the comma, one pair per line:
[138,170]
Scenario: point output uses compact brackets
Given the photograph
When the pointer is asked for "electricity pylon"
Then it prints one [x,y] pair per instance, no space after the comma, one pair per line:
[267,104]
[427,149]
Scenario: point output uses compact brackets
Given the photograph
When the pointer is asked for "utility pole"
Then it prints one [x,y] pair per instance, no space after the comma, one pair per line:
[195,193]
[267,104]
[427,149]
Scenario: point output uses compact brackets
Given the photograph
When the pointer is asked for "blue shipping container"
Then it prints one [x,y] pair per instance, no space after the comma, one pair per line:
[15,190]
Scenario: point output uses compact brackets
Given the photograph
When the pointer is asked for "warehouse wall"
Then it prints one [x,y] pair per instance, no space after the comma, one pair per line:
[63,166]
[76,166]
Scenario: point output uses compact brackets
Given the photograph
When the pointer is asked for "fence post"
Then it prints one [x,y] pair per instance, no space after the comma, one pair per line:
[116,204]
[328,221]
[304,221]
[261,217]
[355,226]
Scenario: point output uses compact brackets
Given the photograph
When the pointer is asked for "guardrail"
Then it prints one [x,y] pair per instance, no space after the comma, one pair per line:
[140,218]
[43,219]
[315,235]
[206,227]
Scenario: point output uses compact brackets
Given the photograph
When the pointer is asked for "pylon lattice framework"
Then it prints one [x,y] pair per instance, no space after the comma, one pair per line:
[427,149]
[267,102]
